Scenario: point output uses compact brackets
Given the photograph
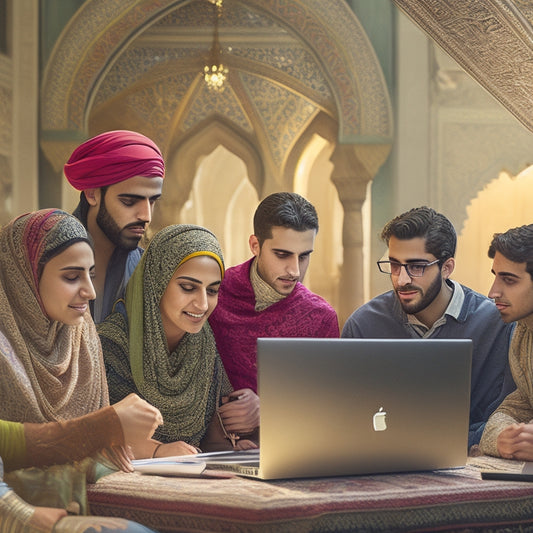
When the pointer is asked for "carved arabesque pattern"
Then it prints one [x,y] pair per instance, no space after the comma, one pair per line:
[206,103]
[471,150]
[101,31]
[492,40]
[144,63]
[282,113]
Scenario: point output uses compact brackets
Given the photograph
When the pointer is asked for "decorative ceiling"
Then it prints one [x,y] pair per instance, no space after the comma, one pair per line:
[138,64]
[492,40]
[273,90]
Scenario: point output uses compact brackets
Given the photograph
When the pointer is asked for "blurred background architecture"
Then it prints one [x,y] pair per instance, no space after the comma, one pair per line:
[366,107]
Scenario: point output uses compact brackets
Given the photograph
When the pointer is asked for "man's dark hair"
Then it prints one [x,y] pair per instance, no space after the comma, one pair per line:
[516,245]
[82,210]
[286,209]
[426,223]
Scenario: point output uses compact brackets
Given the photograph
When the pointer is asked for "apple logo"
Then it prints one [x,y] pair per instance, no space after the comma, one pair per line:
[379,420]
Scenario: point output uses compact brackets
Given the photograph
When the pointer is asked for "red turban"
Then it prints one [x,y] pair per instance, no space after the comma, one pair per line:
[112,157]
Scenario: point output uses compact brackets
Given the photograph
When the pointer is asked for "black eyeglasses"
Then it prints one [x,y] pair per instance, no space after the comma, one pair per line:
[414,270]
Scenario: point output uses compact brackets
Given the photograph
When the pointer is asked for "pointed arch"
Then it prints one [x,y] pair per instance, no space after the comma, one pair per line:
[184,159]
[88,46]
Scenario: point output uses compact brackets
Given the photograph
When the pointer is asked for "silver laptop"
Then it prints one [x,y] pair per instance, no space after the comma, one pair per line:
[357,406]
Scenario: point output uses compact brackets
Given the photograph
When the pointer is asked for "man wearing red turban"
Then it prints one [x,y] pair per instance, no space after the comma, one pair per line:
[120,175]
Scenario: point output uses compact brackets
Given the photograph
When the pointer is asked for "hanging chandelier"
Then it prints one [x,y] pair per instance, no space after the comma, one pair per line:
[215,73]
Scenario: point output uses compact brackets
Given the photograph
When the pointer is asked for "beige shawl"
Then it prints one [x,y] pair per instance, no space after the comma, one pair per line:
[518,405]
[49,371]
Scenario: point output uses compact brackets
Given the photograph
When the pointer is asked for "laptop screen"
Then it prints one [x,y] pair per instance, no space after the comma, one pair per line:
[356,406]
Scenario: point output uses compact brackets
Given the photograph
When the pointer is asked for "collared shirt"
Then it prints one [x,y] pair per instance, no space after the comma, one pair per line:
[454,308]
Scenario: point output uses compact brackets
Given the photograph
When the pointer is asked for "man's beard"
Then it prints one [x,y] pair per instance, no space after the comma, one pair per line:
[427,298]
[112,231]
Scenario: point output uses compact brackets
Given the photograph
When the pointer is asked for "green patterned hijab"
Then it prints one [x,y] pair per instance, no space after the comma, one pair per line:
[186,385]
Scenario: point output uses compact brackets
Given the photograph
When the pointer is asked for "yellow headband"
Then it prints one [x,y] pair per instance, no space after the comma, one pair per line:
[209,254]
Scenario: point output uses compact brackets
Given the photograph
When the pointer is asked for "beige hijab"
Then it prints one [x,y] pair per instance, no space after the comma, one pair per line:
[48,370]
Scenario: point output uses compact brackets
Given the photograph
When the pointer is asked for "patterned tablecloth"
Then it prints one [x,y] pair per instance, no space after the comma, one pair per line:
[448,500]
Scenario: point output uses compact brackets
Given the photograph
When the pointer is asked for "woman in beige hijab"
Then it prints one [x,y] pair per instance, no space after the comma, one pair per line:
[53,394]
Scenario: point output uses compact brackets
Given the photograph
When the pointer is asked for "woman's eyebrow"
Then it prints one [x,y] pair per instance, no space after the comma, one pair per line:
[189,278]
[75,268]
[194,280]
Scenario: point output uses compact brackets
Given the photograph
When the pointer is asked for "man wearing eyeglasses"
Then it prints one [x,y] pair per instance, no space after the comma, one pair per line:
[426,303]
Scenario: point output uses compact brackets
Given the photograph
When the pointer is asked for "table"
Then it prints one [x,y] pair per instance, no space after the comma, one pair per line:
[448,500]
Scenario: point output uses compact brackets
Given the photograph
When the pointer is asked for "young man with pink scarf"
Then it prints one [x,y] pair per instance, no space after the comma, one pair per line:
[120,175]
[264,296]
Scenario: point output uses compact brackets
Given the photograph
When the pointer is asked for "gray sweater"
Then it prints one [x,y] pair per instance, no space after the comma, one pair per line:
[478,319]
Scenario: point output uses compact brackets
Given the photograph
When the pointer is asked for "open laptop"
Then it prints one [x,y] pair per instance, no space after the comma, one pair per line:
[357,406]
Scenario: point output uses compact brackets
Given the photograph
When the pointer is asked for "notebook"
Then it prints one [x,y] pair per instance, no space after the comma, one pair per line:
[334,407]
[170,466]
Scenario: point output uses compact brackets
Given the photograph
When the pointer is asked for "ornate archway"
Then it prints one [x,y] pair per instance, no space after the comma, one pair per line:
[137,65]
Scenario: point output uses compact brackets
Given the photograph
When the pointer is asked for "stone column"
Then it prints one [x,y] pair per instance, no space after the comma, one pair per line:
[354,167]
[57,146]
[25,30]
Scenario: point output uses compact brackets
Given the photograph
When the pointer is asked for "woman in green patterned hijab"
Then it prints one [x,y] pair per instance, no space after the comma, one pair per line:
[158,343]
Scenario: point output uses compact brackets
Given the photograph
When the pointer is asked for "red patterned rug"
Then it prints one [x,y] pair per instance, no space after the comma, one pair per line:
[451,500]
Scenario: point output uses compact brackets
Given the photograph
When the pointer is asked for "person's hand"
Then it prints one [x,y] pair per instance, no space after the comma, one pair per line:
[120,457]
[245,444]
[175,448]
[516,442]
[240,415]
[44,519]
[138,418]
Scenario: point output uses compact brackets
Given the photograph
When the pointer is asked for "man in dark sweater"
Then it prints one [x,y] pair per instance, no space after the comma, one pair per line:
[426,303]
